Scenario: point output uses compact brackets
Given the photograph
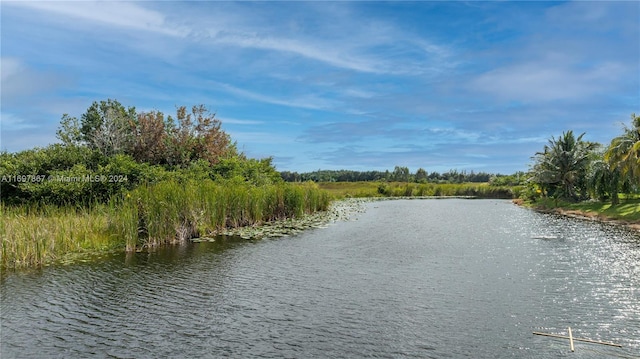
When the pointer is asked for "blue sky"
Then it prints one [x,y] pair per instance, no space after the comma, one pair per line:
[334,85]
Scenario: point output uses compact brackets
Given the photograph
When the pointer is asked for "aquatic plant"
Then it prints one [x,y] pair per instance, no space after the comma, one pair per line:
[404,189]
[148,216]
[171,212]
[33,236]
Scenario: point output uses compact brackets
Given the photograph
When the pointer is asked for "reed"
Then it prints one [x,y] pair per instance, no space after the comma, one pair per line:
[148,216]
[34,236]
[171,212]
[407,189]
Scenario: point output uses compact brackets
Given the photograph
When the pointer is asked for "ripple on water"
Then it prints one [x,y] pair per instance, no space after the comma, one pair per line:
[424,279]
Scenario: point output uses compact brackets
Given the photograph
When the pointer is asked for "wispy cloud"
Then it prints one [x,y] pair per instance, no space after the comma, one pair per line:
[22,81]
[117,14]
[364,85]
[370,45]
[11,122]
[325,54]
[310,101]
[256,137]
[234,121]
[541,81]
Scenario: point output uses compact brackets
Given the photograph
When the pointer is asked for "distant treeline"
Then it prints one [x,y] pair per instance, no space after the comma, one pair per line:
[402,174]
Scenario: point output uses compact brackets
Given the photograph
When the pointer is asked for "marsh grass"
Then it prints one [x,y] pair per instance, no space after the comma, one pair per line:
[172,212]
[404,189]
[34,236]
[148,216]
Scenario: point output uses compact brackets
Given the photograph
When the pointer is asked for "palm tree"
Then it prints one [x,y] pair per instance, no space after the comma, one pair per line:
[604,181]
[624,151]
[561,167]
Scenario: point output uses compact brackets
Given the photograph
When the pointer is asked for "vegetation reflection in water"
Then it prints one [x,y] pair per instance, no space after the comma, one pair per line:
[149,216]
[426,278]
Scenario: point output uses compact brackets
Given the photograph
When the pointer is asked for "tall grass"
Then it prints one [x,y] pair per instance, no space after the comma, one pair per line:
[148,216]
[404,189]
[33,236]
[171,212]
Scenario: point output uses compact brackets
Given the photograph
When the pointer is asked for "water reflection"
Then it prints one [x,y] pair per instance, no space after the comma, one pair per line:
[419,279]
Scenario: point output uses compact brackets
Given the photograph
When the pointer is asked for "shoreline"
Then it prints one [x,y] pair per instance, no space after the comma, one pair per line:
[339,210]
[582,215]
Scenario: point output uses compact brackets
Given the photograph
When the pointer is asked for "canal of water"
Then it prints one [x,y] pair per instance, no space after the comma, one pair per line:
[406,279]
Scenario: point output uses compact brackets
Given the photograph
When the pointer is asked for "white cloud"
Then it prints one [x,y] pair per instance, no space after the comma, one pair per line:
[311,102]
[113,13]
[230,28]
[11,122]
[10,67]
[260,137]
[19,80]
[333,55]
[235,121]
[544,81]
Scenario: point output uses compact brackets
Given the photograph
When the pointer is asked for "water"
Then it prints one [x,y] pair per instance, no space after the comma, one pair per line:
[407,279]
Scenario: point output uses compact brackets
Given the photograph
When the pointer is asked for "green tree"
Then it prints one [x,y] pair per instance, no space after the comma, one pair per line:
[561,168]
[623,153]
[69,131]
[421,175]
[604,181]
[400,174]
[239,168]
[107,126]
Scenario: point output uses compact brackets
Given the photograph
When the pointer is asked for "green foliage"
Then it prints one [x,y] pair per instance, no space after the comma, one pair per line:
[572,169]
[35,236]
[604,181]
[107,126]
[70,175]
[238,168]
[400,174]
[421,175]
[623,153]
[48,175]
[110,128]
[149,215]
[561,169]
[113,149]
[69,131]
[170,211]
[516,179]
[403,189]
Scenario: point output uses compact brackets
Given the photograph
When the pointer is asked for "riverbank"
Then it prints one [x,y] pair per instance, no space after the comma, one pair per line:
[409,278]
[148,216]
[365,189]
[627,213]
[338,210]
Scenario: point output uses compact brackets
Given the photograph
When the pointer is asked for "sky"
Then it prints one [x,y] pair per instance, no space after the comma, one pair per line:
[357,85]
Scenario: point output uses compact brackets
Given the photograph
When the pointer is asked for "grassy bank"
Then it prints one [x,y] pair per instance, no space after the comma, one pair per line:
[148,216]
[33,236]
[628,211]
[404,189]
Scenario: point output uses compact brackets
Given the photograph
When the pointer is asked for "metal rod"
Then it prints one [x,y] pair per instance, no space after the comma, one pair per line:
[578,339]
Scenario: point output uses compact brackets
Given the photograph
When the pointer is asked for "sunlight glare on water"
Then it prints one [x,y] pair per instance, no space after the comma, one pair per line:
[406,279]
